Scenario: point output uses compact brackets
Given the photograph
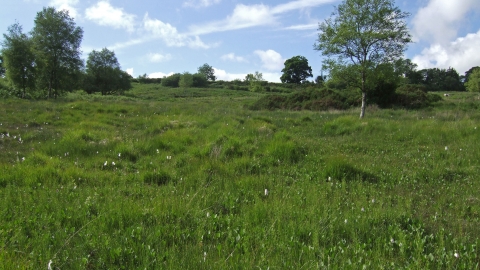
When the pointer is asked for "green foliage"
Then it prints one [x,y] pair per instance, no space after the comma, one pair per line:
[208,72]
[255,81]
[172,80]
[104,75]
[473,83]
[186,80]
[311,99]
[349,44]
[199,80]
[296,70]
[436,79]
[19,61]
[412,96]
[56,41]
[2,65]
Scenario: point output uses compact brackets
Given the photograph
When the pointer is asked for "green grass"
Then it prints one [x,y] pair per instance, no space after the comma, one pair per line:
[171,178]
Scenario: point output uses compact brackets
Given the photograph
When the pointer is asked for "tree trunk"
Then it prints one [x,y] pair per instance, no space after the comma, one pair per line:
[364,104]
[364,97]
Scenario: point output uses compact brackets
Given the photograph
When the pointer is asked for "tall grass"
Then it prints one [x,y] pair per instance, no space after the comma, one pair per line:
[157,181]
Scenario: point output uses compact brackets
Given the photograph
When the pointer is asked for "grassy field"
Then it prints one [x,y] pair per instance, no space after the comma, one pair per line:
[178,179]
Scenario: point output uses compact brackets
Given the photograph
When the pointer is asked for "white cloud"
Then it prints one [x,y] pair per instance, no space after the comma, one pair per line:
[106,15]
[170,35]
[245,16]
[157,58]
[311,26]
[441,19]
[271,59]
[159,75]
[462,54]
[232,57]
[130,71]
[200,3]
[224,76]
[272,77]
[299,4]
[68,5]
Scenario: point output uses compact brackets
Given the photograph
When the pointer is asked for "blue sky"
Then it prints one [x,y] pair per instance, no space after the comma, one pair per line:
[237,37]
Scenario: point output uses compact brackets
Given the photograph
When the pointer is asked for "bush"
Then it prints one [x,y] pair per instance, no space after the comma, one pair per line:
[411,96]
[310,99]
[172,80]
[199,80]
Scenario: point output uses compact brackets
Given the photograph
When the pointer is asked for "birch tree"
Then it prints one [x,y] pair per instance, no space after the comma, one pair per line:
[359,36]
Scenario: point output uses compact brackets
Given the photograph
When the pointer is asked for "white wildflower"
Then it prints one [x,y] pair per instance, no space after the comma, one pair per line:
[169,157]
[158,151]
[105,164]
[113,163]
[346,221]
[266,192]
[456,255]
[363,209]
[119,154]
[446,148]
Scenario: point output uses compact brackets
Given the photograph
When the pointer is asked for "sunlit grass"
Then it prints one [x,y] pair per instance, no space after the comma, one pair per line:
[165,179]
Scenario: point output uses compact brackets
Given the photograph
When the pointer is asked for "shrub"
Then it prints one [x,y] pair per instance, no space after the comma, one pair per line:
[411,96]
[172,80]
[199,80]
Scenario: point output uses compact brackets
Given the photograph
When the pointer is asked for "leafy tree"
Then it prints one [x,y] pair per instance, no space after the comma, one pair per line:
[466,77]
[296,70]
[19,60]
[436,79]
[361,35]
[320,79]
[56,41]
[172,80]
[473,83]
[249,78]
[103,73]
[2,66]
[186,80]
[208,72]
[199,80]
[255,81]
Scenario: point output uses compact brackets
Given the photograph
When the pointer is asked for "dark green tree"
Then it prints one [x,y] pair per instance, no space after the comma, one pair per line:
[359,36]
[19,60]
[296,70]
[103,73]
[208,72]
[56,40]
[2,66]
[466,77]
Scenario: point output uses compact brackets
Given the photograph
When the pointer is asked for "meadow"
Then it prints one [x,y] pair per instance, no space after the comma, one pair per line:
[193,179]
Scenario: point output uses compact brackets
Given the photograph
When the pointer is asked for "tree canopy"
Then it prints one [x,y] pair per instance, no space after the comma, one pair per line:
[19,60]
[103,73]
[207,71]
[56,40]
[473,83]
[359,36]
[296,70]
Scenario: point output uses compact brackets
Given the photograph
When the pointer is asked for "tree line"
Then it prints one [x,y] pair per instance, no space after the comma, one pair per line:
[46,62]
